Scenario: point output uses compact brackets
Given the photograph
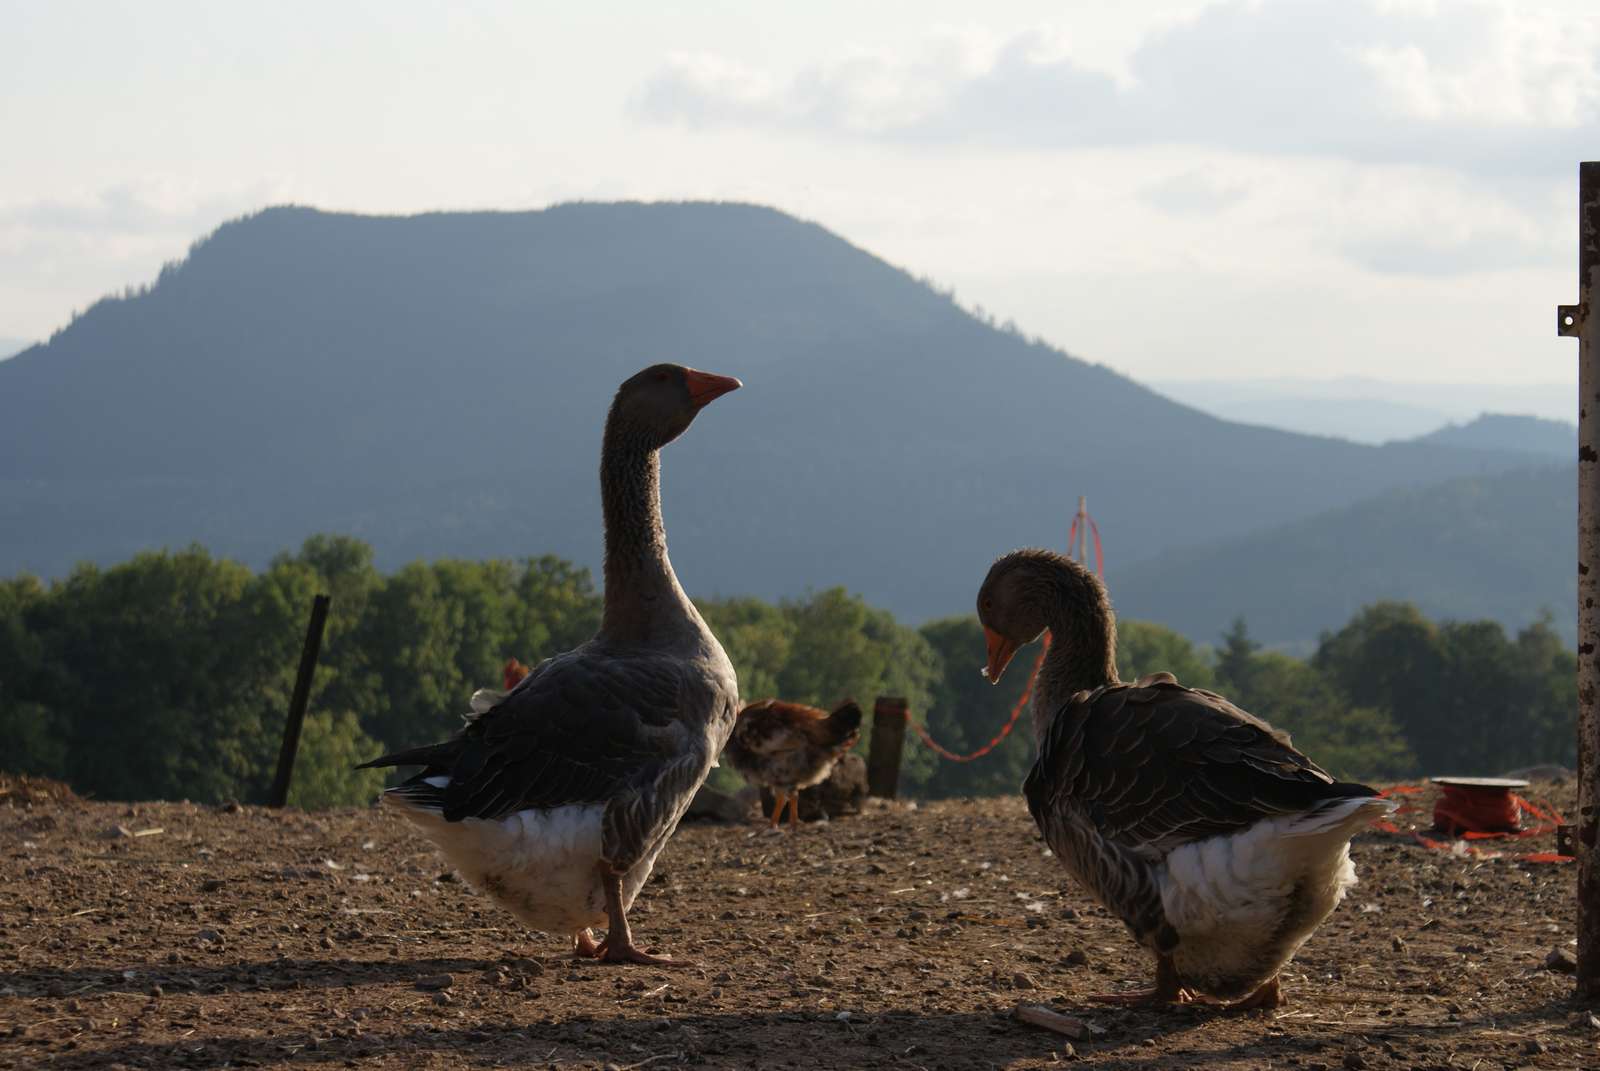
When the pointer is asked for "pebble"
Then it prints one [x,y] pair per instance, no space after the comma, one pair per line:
[1076,958]
[430,982]
[1021,981]
[1561,960]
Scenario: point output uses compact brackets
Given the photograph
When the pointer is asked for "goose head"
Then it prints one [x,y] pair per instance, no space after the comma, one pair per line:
[1028,591]
[660,402]
[1015,605]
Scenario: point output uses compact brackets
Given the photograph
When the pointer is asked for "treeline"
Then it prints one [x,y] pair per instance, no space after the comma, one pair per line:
[168,676]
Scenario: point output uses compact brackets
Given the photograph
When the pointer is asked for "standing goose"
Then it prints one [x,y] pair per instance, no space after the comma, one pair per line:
[1219,845]
[557,798]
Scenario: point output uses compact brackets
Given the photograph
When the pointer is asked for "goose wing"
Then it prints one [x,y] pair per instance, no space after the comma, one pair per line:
[1154,765]
[579,729]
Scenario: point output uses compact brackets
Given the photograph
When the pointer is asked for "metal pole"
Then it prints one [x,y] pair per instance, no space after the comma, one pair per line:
[297,702]
[1082,549]
[1582,321]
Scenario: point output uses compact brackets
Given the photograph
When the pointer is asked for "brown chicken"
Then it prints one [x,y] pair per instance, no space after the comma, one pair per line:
[790,746]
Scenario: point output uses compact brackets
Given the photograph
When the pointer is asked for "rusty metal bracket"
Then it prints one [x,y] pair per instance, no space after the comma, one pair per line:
[1569,320]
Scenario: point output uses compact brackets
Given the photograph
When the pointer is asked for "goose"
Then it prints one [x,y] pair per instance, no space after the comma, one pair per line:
[557,796]
[1197,824]
[790,746]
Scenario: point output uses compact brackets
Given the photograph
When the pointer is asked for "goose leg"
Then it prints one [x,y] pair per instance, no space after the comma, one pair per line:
[1168,989]
[583,946]
[794,812]
[777,812]
[618,947]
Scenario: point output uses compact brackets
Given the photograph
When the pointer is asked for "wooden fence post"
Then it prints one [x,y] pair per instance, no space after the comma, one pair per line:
[890,715]
[297,702]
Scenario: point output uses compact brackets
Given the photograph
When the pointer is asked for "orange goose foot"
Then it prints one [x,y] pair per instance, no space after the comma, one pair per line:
[583,946]
[1149,997]
[629,953]
[618,947]
[1268,995]
[1168,990]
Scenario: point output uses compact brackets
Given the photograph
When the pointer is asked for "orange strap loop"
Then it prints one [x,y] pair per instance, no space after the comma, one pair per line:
[1022,703]
[1005,730]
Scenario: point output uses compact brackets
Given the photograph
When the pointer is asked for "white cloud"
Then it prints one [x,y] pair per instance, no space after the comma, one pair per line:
[1194,192]
[1471,85]
[61,252]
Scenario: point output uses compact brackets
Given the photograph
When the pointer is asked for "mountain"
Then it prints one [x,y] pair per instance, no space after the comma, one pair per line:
[436,384]
[1367,410]
[1501,431]
[1499,546]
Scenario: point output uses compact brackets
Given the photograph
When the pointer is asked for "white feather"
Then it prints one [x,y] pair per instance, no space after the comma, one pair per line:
[539,864]
[1244,903]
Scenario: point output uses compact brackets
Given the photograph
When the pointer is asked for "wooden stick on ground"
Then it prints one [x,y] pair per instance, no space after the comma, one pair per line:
[1039,1015]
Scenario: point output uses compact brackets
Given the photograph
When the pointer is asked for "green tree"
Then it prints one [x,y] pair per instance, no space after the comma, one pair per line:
[967,711]
[1548,701]
[1390,657]
[1236,659]
[1351,742]
[758,638]
[331,746]
[34,732]
[1144,648]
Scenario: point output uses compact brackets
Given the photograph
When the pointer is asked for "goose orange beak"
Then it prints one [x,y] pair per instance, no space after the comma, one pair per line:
[1001,651]
[705,387]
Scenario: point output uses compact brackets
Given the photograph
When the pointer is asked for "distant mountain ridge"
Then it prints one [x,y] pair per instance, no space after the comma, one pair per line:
[435,384]
[1368,410]
[1502,431]
[1513,533]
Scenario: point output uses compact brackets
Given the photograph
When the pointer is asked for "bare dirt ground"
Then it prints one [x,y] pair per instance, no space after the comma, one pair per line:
[175,935]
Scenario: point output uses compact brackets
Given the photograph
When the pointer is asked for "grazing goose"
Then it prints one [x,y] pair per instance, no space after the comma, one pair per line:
[1219,845]
[789,746]
[557,796]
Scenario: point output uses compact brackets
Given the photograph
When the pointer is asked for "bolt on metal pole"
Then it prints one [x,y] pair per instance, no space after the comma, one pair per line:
[1582,321]
[297,702]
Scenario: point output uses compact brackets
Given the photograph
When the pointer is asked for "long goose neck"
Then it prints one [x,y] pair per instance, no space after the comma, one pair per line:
[641,590]
[1083,643]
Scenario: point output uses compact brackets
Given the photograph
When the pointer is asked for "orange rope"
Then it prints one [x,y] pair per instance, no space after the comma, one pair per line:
[1022,703]
[1005,730]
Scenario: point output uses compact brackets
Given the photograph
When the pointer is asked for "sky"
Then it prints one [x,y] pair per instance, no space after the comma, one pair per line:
[1177,189]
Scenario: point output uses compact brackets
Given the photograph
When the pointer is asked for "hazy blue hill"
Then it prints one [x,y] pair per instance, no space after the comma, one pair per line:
[435,384]
[1499,546]
[1502,431]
